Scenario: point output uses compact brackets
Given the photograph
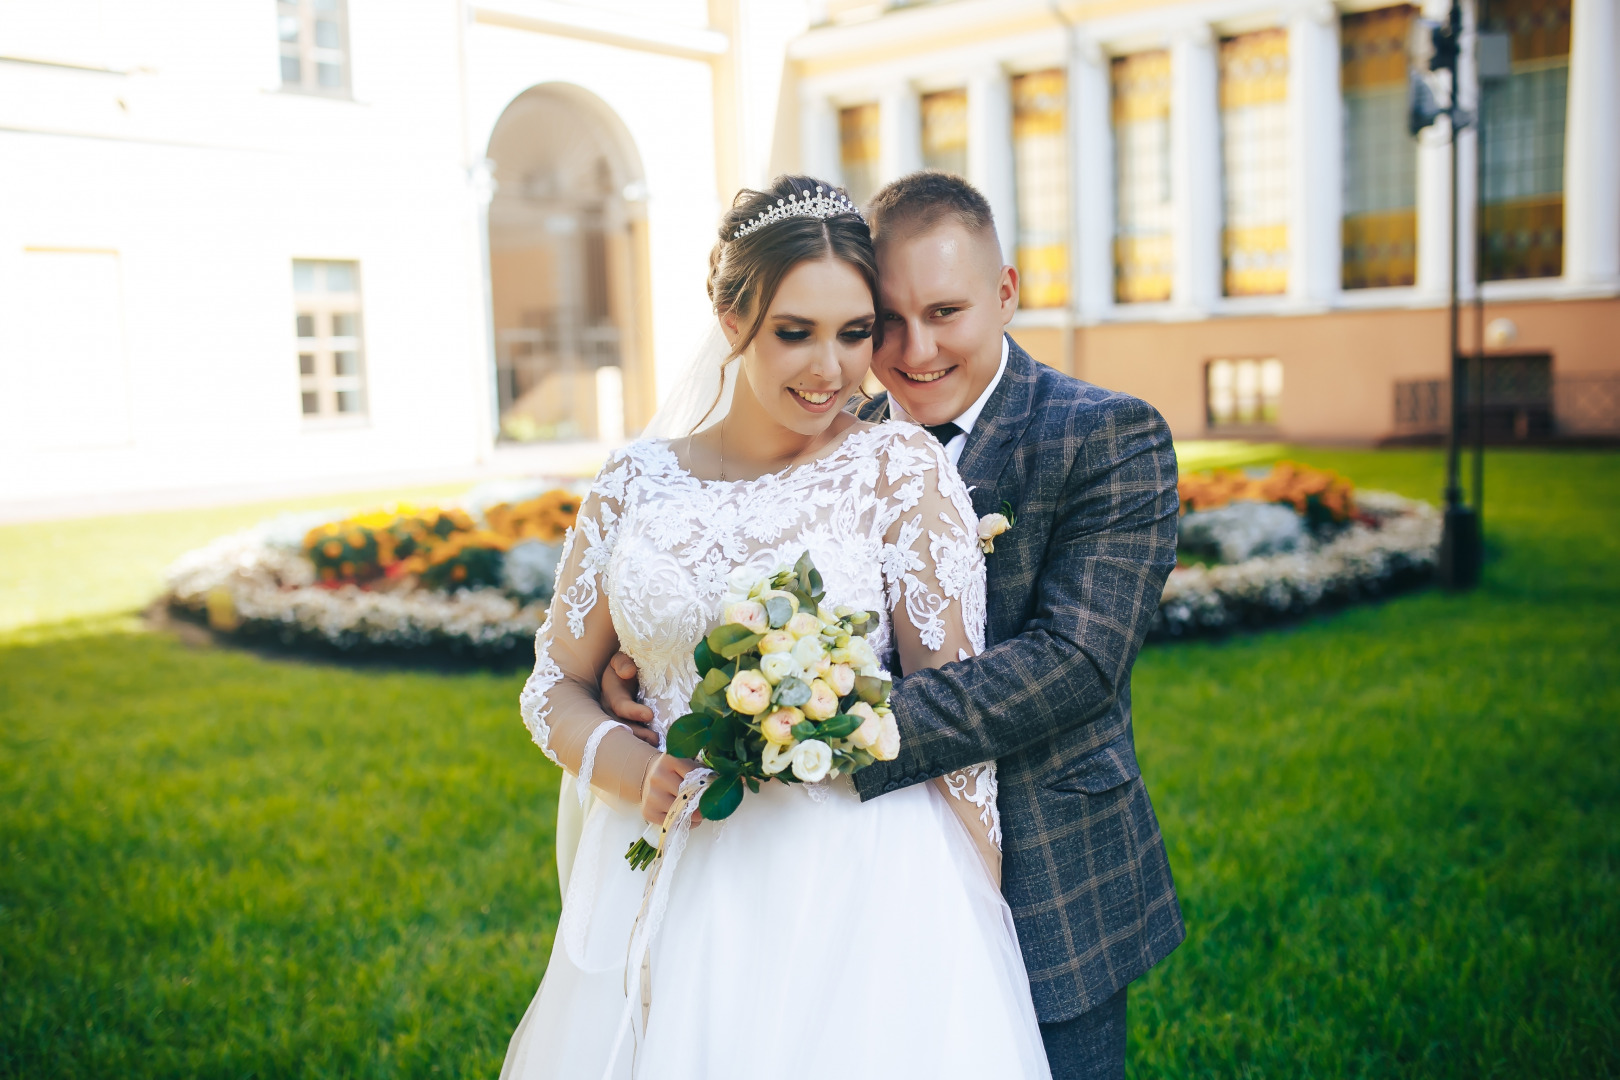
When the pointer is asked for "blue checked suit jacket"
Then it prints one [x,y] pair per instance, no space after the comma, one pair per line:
[1091,475]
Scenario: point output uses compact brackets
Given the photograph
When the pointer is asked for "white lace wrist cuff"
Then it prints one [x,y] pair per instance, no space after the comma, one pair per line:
[587,763]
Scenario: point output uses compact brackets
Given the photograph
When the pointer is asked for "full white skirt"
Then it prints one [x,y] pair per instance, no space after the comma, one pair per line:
[804,937]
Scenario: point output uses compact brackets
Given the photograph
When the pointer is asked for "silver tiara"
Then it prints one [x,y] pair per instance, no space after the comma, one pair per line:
[823,204]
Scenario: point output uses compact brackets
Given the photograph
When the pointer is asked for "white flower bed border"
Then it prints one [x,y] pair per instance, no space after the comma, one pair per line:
[268,590]
[1358,564]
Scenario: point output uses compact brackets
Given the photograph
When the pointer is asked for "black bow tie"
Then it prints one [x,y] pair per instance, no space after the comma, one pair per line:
[944,432]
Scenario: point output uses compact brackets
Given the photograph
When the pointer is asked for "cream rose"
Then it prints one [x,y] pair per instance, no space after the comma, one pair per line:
[811,760]
[807,650]
[823,703]
[749,613]
[775,758]
[749,692]
[871,728]
[842,679]
[861,654]
[887,748]
[778,666]
[804,624]
[990,527]
[776,641]
[777,727]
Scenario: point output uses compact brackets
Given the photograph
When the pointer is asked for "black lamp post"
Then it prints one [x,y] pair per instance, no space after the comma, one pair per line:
[1460,547]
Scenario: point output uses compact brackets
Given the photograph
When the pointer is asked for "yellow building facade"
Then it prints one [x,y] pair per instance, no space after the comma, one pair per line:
[1216,205]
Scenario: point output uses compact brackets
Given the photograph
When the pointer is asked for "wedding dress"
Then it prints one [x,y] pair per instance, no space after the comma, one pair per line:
[809,934]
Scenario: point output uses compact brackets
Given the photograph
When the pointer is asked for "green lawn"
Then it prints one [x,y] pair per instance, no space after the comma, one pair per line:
[1394,831]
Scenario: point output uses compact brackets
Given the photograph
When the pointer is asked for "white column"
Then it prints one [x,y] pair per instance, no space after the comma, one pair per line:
[1316,161]
[990,151]
[1195,169]
[1091,149]
[818,138]
[1592,147]
[1434,196]
[900,148]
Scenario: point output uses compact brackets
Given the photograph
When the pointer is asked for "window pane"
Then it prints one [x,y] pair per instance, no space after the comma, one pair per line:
[312,406]
[288,26]
[326,33]
[303,276]
[944,131]
[306,363]
[345,324]
[326,5]
[1041,172]
[1143,249]
[348,363]
[1380,157]
[306,326]
[339,277]
[859,138]
[1255,159]
[348,401]
[330,76]
[291,71]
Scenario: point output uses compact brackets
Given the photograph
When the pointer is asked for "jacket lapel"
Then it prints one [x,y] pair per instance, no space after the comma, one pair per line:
[1003,420]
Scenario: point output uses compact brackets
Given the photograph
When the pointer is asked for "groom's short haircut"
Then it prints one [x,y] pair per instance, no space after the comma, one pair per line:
[918,202]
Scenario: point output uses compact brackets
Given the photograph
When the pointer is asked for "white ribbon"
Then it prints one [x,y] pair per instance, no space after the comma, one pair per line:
[654,901]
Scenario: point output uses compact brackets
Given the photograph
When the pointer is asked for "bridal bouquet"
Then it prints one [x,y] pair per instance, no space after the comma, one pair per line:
[790,690]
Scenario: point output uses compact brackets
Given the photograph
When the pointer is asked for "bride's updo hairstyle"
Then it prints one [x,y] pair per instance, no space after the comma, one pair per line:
[745,271]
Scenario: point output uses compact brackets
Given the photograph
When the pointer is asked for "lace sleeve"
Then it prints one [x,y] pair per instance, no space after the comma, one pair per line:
[933,572]
[560,702]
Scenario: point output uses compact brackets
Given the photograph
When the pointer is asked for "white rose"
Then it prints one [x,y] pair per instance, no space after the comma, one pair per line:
[842,678]
[749,693]
[811,760]
[777,641]
[739,581]
[990,527]
[778,666]
[749,613]
[871,728]
[887,748]
[823,703]
[775,758]
[778,726]
[806,651]
[803,624]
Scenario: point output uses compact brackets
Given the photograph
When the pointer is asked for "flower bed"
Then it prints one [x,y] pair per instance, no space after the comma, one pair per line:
[475,580]
[471,580]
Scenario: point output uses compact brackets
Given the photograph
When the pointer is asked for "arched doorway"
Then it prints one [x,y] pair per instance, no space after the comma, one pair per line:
[567,263]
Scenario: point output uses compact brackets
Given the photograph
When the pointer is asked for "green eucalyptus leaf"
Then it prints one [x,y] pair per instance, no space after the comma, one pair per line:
[871,689]
[720,798]
[804,729]
[778,609]
[705,657]
[723,637]
[838,727]
[792,691]
[688,735]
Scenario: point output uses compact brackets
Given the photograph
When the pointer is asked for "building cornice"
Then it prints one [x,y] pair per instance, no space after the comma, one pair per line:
[604,27]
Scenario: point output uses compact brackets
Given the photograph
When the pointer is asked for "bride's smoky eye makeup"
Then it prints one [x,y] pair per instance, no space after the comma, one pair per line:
[792,332]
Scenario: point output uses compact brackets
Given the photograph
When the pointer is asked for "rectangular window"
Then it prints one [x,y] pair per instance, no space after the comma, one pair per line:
[1143,247]
[314,46]
[1380,157]
[944,131]
[1254,162]
[1524,142]
[331,356]
[859,140]
[1243,393]
[1041,165]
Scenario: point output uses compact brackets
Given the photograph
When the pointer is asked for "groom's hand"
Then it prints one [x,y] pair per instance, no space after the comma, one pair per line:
[619,689]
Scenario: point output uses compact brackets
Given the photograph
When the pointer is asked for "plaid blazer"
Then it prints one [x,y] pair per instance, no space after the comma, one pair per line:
[1091,476]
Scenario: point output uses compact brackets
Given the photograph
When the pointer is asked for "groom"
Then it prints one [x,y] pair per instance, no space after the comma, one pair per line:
[1091,478]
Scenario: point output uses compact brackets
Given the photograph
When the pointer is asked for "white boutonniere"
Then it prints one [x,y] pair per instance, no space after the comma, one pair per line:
[993,525]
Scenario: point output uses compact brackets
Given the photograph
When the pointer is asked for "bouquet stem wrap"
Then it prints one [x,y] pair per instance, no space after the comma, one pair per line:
[673,835]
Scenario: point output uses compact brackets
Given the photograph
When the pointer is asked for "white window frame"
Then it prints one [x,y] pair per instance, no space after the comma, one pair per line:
[317,351]
[301,16]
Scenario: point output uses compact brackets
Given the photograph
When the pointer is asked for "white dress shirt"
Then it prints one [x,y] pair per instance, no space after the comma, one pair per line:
[970,415]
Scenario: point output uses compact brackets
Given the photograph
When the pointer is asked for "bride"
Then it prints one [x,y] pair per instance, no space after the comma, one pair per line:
[809,933]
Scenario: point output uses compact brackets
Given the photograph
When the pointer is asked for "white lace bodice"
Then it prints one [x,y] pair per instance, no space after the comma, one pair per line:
[884,516]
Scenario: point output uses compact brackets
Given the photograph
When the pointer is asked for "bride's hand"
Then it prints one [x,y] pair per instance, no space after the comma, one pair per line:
[662,783]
